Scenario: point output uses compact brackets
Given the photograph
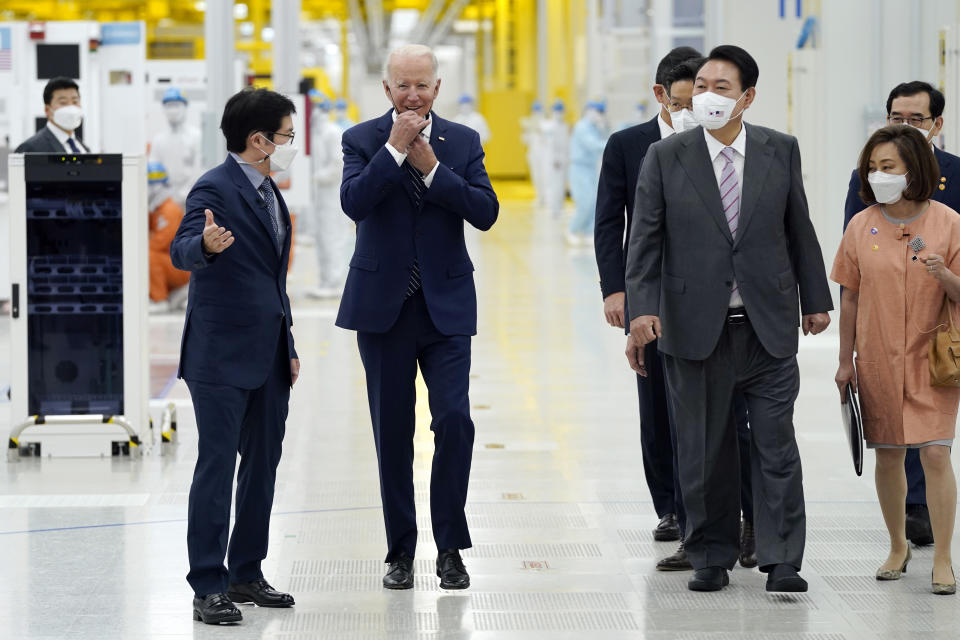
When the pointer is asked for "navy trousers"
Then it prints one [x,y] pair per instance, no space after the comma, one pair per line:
[390,360]
[658,437]
[231,420]
[916,482]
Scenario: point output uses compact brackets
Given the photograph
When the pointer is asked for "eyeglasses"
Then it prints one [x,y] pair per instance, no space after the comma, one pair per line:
[916,121]
[289,136]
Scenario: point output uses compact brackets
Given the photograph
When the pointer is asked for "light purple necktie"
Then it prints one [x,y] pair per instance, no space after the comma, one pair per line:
[730,197]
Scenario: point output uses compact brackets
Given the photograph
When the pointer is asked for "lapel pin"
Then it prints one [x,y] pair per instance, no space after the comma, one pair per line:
[441,138]
[873,231]
[876,247]
[943,187]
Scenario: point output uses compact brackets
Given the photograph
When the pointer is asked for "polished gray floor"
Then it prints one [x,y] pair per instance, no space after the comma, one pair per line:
[559,511]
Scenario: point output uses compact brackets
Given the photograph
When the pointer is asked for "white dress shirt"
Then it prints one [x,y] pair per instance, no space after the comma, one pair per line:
[63,136]
[715,148]
[400,157]
[665,130]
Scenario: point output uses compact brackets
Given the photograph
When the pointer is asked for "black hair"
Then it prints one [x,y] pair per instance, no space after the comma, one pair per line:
[252,110]
[56,84]
[743,61]
[906,89]
[686,70]
[672,59]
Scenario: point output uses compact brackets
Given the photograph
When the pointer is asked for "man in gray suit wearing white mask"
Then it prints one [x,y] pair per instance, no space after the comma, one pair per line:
[720,248]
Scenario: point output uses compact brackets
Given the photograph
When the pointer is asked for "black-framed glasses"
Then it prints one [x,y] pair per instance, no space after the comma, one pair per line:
[916,121]
[288,136]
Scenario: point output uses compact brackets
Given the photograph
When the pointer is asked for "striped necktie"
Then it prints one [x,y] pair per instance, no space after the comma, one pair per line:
[418,188]
[730,197]
[73,145]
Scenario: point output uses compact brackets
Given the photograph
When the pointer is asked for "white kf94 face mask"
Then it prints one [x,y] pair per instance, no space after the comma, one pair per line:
[887,187]
[713,111]
[69,117]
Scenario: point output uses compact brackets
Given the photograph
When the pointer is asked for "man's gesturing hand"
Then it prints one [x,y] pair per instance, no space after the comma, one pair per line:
[420,155]
[215,239]
[407,127]
[645,329]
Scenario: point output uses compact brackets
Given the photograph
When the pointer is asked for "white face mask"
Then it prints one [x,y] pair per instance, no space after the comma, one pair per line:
[887,187]
[682,120]
[713,111]
[282,156]
[176,112]
[928,134]
[596,118]
[68,118]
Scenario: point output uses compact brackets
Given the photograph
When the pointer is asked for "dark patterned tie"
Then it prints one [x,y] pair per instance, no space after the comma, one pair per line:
[266,191]
[418,188]
[73,145]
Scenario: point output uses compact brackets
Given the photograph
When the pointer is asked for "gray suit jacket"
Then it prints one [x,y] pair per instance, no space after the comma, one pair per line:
[682,259]
[42,141]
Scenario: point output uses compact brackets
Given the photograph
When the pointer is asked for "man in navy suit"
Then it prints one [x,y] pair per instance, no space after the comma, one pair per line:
[615,199]
[919,105]
[410,180]
[237,355]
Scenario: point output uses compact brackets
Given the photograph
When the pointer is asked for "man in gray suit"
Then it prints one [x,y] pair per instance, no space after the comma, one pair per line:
[61,99]
[716,282]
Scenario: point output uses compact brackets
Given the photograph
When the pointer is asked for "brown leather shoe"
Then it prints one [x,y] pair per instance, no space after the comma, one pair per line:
[748,545]
[676,562]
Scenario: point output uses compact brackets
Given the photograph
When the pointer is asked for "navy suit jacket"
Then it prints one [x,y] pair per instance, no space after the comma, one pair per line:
[238,300]
[615,196]
[392,231]
[949,195]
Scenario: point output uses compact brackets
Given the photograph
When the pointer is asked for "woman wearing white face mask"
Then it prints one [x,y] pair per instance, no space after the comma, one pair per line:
[890,308]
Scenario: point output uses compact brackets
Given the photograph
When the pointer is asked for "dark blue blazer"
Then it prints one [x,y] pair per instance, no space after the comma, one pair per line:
[949,195]
[238,299]
[615,196]
[391,231]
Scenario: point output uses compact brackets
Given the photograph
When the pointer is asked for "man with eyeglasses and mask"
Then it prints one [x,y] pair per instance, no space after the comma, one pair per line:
[237,355]
[919,105]
[411,180]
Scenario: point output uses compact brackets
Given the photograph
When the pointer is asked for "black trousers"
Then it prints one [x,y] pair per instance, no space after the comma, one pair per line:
[390,360]
[708,456]
[231,421]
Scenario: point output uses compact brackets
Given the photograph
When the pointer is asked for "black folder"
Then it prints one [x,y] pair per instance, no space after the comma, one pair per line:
[853,428]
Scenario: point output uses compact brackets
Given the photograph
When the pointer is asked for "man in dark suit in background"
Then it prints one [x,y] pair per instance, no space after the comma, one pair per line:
[622,159]
[716,283]
[61,99]
[237,355]
[410,180]
[919,105]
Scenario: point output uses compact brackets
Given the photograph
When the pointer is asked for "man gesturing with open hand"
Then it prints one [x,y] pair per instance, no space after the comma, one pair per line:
[237,355]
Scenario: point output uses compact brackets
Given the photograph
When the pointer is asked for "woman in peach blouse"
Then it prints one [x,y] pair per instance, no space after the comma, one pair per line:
[889,311]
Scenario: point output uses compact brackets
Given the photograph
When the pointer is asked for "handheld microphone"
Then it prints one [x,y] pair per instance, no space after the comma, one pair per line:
[917,244]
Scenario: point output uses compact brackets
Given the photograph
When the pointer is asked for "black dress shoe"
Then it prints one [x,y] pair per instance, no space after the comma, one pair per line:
[450,570]
[260,593]
[784,578]
[748,545]
[676,562]
[709,579]
[400,573]
[918,528]
[668,529]
[215,608]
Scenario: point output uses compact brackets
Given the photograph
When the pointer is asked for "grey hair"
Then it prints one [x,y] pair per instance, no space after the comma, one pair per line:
[411,51]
